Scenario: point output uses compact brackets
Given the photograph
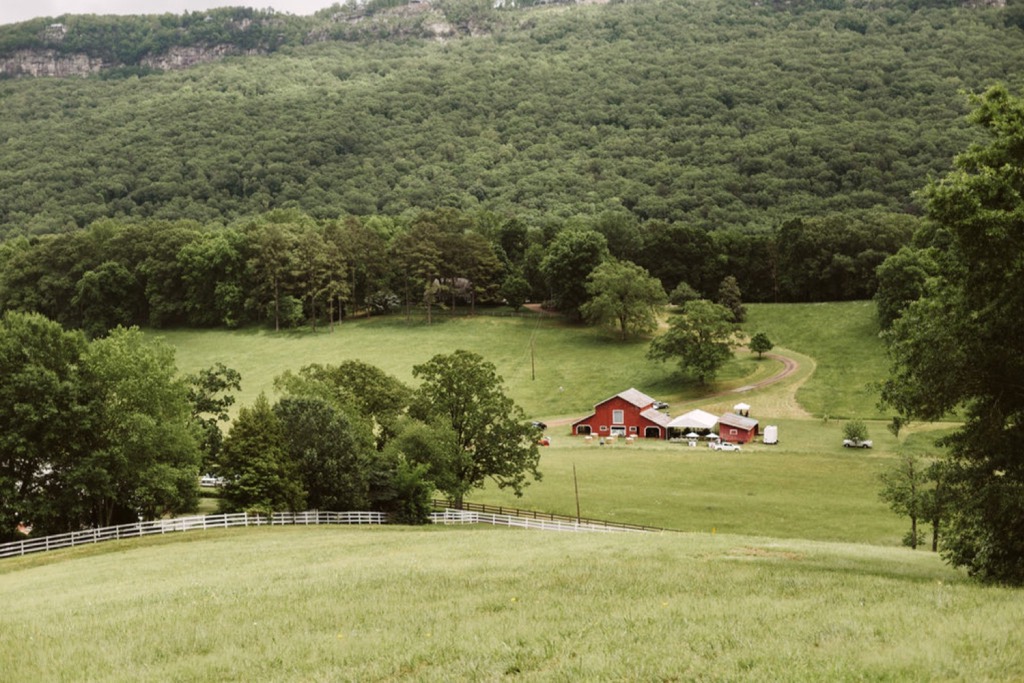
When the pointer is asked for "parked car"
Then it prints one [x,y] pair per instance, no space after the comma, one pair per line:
[857,443]
[726,446]
[209,480]
[537,424]
[660,405]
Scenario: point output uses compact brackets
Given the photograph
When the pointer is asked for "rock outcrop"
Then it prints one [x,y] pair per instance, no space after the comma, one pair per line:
[55,64]
[39,63]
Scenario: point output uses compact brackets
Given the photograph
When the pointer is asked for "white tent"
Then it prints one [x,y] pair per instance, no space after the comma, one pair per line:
[694,420]
[741,407]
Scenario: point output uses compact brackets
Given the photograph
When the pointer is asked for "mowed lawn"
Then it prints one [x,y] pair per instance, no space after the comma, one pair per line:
[485,604]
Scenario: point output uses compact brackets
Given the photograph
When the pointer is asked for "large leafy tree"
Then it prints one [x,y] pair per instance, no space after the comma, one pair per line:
[958,346]
[901,280]
[488,436]
[367,390]
[570,258]
[700,339]
[209,399]
[626,295]
[42,423]
[331,451]
[143,457]
[260,476]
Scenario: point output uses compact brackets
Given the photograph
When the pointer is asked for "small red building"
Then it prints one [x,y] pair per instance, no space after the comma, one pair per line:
[737,428]
[630,413]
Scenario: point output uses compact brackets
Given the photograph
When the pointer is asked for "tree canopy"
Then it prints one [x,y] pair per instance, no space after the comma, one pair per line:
[624,294]
[727,114]
[957,347]
[91,433]
[700,339]
[478,433]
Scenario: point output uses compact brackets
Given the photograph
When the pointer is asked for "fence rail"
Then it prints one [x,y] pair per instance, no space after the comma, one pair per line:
[452,516]
[164,526]
[440,504]
[470,513]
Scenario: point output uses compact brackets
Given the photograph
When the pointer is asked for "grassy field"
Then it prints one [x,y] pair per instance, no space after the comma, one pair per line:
[446,604]
[554,369]
[787,568]
[842,338]
[808,486]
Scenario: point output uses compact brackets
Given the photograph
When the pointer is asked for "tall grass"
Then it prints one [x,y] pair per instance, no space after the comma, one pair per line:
[330,604]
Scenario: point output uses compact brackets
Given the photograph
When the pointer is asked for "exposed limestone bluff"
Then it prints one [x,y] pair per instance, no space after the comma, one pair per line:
[51,63]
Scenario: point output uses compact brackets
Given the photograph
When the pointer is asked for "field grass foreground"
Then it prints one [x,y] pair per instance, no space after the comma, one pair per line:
[383,604]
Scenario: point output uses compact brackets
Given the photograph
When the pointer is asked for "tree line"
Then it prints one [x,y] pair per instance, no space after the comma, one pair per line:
[286,269]
[102,432]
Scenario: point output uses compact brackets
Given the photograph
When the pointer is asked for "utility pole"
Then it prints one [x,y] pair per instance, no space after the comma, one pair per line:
[576,486]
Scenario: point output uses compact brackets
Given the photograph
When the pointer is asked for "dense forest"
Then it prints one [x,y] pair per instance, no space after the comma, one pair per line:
[779,143]
[716,114]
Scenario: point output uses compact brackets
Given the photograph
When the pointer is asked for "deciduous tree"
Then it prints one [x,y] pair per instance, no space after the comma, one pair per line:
[570,258]
[624,294]
[700,338]
[761,344]
[490,438]
[958,346]
[258,472]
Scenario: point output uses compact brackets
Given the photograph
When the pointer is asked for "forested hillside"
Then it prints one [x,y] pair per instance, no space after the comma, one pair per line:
[779,144]
[714,113]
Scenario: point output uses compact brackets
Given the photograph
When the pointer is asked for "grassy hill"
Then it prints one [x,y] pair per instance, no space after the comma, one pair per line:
[442,604]
[789,568]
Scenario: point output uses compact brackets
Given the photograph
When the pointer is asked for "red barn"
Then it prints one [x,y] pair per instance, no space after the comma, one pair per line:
[630,413]
[737,428]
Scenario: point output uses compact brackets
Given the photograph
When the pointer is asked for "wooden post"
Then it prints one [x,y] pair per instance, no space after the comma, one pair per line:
[533,364]
[576,486]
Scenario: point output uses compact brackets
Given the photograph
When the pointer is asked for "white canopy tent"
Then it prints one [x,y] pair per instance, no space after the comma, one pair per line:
[694,420]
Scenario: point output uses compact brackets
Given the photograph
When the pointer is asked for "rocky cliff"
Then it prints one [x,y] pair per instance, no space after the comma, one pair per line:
[49,63]
[52,63]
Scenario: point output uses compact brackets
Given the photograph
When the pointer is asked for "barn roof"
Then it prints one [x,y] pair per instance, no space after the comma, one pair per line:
[656,416]
[634,396]
[734,420]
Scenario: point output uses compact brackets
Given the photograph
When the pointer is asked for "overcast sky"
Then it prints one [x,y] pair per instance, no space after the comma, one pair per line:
[21,10]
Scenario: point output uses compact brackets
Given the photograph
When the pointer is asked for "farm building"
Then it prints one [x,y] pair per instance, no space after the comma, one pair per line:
[629,413]
[737,428]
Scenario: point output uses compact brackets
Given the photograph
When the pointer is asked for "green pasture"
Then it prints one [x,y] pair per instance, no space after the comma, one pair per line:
[806,486]
[485,604]
[556,369]
[842,338]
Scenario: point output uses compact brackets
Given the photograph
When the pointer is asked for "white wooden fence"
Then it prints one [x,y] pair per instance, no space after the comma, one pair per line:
[451,516]
[164,526]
